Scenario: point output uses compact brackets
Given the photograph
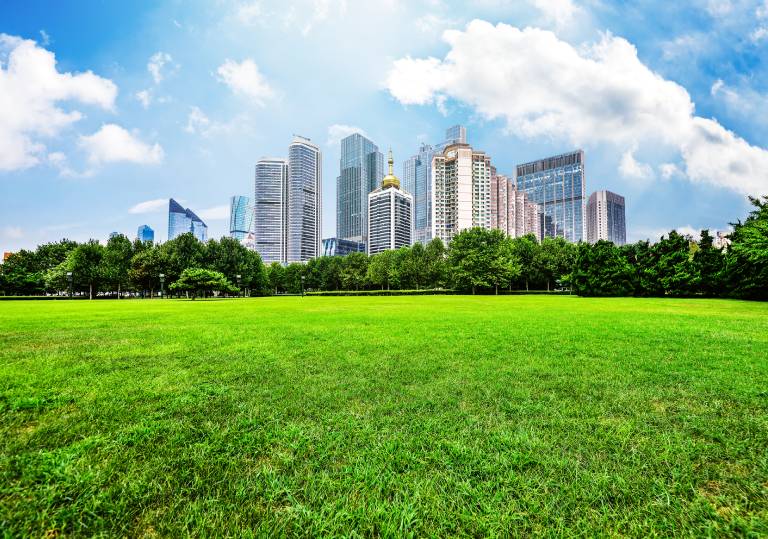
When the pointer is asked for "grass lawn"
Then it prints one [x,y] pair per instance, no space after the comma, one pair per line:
[424,416]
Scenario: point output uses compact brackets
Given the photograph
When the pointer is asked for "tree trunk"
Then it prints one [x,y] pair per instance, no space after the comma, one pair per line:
[526,285]
[473,290]
[90,290]
[119,296]
[547,285]
[497,289]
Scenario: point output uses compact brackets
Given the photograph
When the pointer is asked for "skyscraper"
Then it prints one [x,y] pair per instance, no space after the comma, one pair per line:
[270,205]
[511,211]
[557,185]
[240,217]
[456,134]
[461,191]
[361,170]
[181,221]
[605,218]
[304,213]
[417,180]
[390,210]
[145,233]
[339,247]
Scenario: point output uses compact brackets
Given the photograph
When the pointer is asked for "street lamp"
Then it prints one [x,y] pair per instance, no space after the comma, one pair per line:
[162,285]
[69,278]
[302,286]
[238,285]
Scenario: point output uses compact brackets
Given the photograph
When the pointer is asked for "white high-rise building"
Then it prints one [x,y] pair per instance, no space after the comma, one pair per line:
[270,206]
[304,212]
[606,218]
[390,215]
[461,191]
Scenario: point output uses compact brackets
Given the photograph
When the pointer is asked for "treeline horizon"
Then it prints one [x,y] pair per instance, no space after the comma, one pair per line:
[476,261]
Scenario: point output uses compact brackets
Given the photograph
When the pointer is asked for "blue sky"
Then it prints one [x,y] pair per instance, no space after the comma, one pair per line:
[150,100]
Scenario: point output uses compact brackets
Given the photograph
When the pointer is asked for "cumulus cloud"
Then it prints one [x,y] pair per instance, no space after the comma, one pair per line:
[156,63]
[113,143]
[558,12]
[336,132]
[197,121]
[144,97]
[216,213]
[632,169]
[599,94]
[31,88]
[150,206]
[245,79]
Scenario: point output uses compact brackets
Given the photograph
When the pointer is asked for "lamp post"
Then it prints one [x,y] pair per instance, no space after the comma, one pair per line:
[69,279]
[162,285]
[302,286]
[239,293]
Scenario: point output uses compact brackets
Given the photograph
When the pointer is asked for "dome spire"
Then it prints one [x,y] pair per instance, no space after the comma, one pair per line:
[390,180]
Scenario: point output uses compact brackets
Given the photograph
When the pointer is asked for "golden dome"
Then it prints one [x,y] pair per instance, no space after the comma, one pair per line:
[390,180]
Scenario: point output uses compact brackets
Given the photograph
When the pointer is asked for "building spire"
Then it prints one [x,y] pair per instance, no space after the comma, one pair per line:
[390,180]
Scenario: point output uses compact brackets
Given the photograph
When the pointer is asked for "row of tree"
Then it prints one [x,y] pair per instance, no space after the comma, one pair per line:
[478,260]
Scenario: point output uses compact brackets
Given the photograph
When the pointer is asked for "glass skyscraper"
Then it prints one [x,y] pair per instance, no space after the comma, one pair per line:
[338,247]
[145,233]
[557,185]
[606,218]
[361,171]
[270,198]
[305,180]
[417,180]
[181,221]
[240,217]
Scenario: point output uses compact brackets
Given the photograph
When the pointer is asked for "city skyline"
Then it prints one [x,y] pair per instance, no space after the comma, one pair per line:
[152,113]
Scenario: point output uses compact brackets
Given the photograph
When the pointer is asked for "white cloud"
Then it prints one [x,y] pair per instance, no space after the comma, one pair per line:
[246,80]
[30,89]
[759,34]
[719,8]
[249,13]
[216,213]
[156,64]
[559,12]
[45,39]
[13,232]
[150,206]
[632,169]
[336,132]
[197,121]
[112,143]
[144,97]
[601,94]
[669,171]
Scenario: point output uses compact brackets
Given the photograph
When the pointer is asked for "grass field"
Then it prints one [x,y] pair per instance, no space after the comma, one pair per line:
[424,416]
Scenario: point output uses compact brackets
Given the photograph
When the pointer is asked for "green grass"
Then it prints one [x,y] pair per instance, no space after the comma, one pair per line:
[424,416]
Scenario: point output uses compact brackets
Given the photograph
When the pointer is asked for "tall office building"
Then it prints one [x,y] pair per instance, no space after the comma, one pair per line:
[606,218]
[304,212]
[417,180]
[557,185]
[456,134]
[339,247]
[361,171]
[145,233]
[240,217]
[181,221]
[511,211]
[461,191]
[390,210]
[270,197]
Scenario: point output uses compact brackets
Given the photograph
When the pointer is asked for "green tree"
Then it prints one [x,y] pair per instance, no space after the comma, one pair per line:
[276,277]
[380,269]
[293,274]
[674,265]
[180,253]
[602,270]
[479,259]
[435,262]
[354,270]
[199,281]
[116,262]
[84,261]
[554,259]
[709,265]
[525,249]
[747,257]
[145,270]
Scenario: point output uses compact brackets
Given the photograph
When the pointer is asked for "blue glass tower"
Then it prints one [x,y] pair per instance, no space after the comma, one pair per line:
[557,185]
[181,221]
[417,180]
[240,217]
[361,171]
[145,233]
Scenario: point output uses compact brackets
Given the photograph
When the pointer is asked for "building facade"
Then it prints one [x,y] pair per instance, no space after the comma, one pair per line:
[361,171]
[461,191]
[182,220]
[304,211]
[390,215]
[456,134]
[240,217]
[417,180]
[557,185]
[606,218]
[511,211]
[270,209]
[145,233]
[340,247]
